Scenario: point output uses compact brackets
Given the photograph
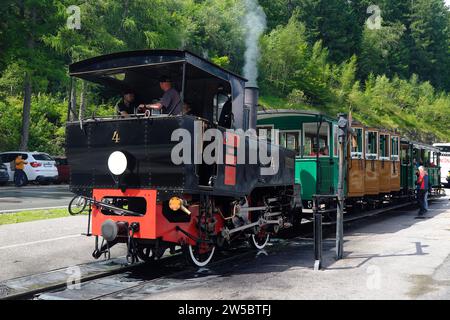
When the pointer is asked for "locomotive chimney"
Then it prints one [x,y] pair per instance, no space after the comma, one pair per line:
[251,104]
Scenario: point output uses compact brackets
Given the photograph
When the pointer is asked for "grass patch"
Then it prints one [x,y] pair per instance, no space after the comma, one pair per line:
[273,102]
[25,216]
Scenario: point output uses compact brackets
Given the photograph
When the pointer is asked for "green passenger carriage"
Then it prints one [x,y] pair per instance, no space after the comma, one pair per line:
[313,136]
[380,168]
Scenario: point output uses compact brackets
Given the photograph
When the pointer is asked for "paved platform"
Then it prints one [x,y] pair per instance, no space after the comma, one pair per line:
[33,197]
[39,246]
[393,256]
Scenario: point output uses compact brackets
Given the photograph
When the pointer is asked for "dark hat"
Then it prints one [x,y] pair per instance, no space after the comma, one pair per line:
[165,79]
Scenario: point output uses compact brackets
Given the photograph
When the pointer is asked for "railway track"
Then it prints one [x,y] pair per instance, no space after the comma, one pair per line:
[115,279]
[136,284]
[26,286]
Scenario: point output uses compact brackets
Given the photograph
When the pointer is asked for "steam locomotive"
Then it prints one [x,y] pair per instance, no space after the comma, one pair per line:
[138,195]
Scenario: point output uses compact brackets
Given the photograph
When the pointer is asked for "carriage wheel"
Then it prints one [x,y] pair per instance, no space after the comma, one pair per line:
[146,254]
[199,255]
[259,240]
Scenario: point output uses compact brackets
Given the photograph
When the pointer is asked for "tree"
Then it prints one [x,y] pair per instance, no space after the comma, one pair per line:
[278,12]
[27,22]
[430,34]
[382,52]
[288,63]
[214,30]
[335,23]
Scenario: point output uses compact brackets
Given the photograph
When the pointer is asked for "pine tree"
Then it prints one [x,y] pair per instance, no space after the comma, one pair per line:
[429,23]
[335,23]
[27,22]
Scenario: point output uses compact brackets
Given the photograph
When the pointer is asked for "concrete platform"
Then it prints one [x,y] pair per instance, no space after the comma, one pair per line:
[393,256]
[33,197]
[38,246]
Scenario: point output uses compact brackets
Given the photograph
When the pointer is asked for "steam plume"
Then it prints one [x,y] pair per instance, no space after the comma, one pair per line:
[254,24]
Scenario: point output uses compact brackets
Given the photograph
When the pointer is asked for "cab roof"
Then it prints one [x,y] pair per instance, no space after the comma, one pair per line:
[121,61]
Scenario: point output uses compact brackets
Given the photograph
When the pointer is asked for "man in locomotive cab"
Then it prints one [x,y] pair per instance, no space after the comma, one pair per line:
[170,102]
[127,105]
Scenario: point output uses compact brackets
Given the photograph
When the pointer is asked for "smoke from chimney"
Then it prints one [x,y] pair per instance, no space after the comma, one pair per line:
[254,24]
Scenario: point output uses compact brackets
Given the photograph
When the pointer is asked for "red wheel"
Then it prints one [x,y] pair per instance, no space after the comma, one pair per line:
[199,255]
[259,240]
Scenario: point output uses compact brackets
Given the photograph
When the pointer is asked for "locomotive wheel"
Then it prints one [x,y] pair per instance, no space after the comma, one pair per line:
[260,240]
[146,254]
[199,255]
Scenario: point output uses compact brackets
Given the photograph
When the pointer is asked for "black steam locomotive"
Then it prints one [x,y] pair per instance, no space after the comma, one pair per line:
[140,194]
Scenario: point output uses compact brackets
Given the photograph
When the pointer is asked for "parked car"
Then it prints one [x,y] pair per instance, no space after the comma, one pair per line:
[4,176]
[40,167]
[63,169]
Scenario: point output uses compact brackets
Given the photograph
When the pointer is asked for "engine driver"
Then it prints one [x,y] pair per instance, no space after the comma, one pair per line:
[170,102]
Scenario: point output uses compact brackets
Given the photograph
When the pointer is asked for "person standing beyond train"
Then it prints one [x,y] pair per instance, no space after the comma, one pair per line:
[19,174]
[422,188]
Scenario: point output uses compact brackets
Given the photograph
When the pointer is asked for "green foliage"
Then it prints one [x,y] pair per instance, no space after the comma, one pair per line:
[316,54]
[26,216]
[284,52]
[430,29]
[383,51]
[221,61]
[291,67]
[335,23]
[409,106]
[298,75]
[48,115]
[213,29]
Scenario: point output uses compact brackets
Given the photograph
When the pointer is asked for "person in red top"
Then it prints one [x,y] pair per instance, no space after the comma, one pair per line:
[422,189]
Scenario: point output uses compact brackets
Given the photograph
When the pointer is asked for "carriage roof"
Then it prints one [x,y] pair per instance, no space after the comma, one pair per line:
[273,113]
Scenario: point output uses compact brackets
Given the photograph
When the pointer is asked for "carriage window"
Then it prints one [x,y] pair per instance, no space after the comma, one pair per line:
[290,140]
[444,149]
[427,158]
[357,144]
[371,145]
[316,142]
[417,157]
[394,148]
[434,158]
[265,132]
[384,147]
[404,154]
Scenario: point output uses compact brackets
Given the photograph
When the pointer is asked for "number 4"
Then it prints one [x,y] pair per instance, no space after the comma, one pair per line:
[116,137]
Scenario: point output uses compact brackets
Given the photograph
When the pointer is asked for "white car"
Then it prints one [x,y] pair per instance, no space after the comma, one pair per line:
[40,167]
